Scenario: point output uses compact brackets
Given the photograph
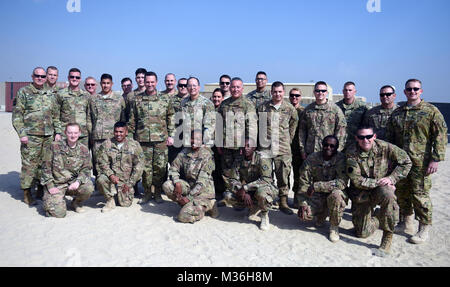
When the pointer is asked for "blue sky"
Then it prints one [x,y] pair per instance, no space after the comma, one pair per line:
[293,41]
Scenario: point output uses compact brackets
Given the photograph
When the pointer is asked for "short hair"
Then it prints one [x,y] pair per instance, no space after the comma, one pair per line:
[387,86]
[330,137]
[38,68]
[217,90]
[140,71]
[237,79]
[261,73]
[349,83]
[73,125]
[225,76]
[320,83]
[295,89]
[125,80]
[148,74]
[74,70]
[90,78]
[277,84]
[413,80]
[106,77]
[120,125]
[168,74]
[365,127]
[51,68]
[198,81]
[182,79]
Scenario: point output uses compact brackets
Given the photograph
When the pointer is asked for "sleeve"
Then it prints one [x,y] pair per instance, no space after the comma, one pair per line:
[293,123]
[132,119]
[439,138]
[84,174]
[251,128]
[88,116]
[57,125]
[204,176]
[209,124]
[138,165]
[170,120]
[18,115]
[175,167]
[123,109]
[302,132]
[103,164]
[390,131]
[403,163]
[339,183]
[356,177]
[47,170]
[340,129]
[265,172]
[305,181]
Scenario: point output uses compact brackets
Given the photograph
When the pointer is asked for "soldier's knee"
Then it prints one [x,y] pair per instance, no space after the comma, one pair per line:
[168,187]
[55,211]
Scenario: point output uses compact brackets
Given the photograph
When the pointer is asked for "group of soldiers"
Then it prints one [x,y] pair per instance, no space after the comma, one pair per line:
[237,149]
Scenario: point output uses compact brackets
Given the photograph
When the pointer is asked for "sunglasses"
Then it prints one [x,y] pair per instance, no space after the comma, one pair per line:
[90,85]
[74,77]
[182,85]
[295,95]
[410,89]
[368,137]
[40,76]
[329,145]
[224,83]
[320,91]
[386,95]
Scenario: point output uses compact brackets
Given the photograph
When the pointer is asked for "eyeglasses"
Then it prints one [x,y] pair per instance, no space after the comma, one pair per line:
[382,95]
[368,137]
[295,95]
[320,91]
[182,85]
[329,145]
[410,89]
[74,77]
[225,83]
[89,85]
[126,86]
[40,76]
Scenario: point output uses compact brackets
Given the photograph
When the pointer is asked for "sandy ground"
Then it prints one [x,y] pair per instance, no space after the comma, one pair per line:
[150,236]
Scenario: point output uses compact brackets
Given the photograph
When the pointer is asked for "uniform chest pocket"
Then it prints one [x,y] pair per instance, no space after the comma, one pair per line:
[33,103]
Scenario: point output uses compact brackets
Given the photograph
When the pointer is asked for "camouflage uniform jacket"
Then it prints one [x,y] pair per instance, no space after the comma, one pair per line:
[383,160]
[129,102]
[65,165]
[324,176]
[253,173]
[195,167]
[258,98]
[285,118]
[419,130]
[127,162]
[152,118]
[295,145]
[74,108]
[354,116]
[317,122]
[105,112]
[240,114]
[176,102]
[201,114]
[35,112]
[53,90]
[377,117]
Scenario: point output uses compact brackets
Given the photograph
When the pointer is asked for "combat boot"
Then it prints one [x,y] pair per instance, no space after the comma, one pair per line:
[148,195]
[422,235]
[284,206]
[334,233]
[265,224]
[157,196]
[76,205]
[27,198]
[214,211]
[386,241]
[39,192]
[110,205]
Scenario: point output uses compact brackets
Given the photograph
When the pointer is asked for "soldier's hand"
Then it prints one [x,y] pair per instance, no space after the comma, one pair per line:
[24,140]
[384,181]
[74,186]
[125,188]
[310,191]
[53,190]
[114,179]
[178,191]
[58,137]
[183,201]
[304,213]
[248,200]
[169,141]
[432,167]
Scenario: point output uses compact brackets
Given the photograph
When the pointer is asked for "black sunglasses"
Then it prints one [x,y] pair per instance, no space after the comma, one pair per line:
[90,85]
[318,91]
[329,145]
[40,76]
[182,85]
[74,77]
[410,89]
[225,83]
[295,95]
[386,94]
[365,137]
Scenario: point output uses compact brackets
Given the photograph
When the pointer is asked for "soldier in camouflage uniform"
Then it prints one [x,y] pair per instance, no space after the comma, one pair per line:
[140,81]
[239,123]
[120,164]
[323,179]
[374,167]
[377,117]
[90,86]
[190,182]
[52,79]
[152,122]
[176,148]
[262,93]
[420,129]
[253,186]
[35,119]
[73,104]
[354,111]
[67,171]
[278,121]
[295,98]
[170,80]
[319,120]
[224,84]
[107,108]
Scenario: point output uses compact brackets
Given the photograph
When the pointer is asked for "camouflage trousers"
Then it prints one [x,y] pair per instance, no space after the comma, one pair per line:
[198,204]
[156,157]
[110,190]
[231,161]
[95,146]
[363,204]
[282,170]
[328,204]
[55,205]
[262,197]
[296,165]
[32,155]
[413,195]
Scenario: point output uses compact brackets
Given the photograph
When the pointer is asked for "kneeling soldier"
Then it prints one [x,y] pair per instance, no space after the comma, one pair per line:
[120,163]
[66,171]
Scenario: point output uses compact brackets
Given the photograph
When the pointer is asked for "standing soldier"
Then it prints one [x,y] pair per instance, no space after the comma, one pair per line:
[140,82]
[52,79]
[374,167]
[190,182]
[377,117]
[295,98]
[353,110]
[262,93]
[319,120]
[90,86]
[224,84]
[73,105]
[323,180]
[420,129]
[67,171]
[176,148]
[153,124]
[239,123]
[278,121]
[120,164]
[106,109]
[170,81]
[35,119]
